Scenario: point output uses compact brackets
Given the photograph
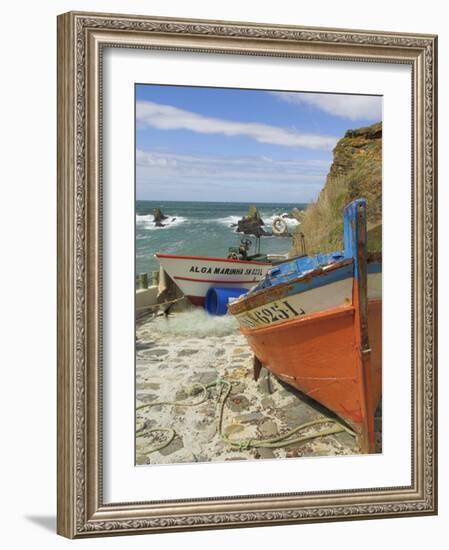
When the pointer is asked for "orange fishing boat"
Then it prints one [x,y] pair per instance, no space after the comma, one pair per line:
[316,323]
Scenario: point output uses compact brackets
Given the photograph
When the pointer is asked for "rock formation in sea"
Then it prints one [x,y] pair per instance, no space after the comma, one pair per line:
[159,217]
[252,224]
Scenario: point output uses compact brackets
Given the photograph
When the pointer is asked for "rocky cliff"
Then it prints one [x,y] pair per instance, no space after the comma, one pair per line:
[356,171]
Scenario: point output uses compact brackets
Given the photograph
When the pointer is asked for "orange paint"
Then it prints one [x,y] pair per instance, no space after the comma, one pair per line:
[320,354]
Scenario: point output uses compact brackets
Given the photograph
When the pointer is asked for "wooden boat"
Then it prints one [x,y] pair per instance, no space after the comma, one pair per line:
[316,323]
[195,275]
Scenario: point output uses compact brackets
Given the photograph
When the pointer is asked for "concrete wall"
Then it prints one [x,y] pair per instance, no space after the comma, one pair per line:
[145,297]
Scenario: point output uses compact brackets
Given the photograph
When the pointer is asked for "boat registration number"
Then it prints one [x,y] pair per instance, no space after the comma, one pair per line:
[274,312]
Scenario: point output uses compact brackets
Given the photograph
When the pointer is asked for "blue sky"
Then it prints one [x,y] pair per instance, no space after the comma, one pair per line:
[218,144]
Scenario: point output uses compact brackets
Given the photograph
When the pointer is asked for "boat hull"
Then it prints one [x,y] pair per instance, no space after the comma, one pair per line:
[195,275]
[319,355]
[307,332]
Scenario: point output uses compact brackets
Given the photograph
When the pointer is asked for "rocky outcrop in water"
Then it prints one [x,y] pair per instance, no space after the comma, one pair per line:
[159,217]
[252,224]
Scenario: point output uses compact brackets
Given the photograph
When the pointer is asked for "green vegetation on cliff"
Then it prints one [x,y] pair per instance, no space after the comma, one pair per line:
[356,172]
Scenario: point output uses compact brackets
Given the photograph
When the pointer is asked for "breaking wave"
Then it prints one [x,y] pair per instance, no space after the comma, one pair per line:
[290,221]
[228,221]
[147,221]
[232,221]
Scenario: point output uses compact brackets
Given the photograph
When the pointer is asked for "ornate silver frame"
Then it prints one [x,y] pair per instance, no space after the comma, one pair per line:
[81,38]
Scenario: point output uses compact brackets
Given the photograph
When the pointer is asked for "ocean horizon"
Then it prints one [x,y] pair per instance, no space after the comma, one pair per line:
[202,229]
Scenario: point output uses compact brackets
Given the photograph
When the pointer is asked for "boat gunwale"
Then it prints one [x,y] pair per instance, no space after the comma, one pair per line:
[335,312]
[245,303]
[210,259]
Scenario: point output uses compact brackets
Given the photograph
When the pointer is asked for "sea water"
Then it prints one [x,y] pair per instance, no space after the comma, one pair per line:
[202,229]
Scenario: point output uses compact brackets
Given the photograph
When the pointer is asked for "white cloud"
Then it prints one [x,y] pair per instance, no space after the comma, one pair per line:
[171,176]
[154,167]
[349,106]
[167,117]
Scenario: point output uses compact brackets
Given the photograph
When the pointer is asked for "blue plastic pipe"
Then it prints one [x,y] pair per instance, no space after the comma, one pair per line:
[217,299]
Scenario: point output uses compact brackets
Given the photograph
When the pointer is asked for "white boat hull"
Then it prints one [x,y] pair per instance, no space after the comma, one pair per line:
[194,275]
[323,298]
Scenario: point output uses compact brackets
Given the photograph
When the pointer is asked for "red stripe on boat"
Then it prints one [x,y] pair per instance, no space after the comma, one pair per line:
[214,281]
[208,259]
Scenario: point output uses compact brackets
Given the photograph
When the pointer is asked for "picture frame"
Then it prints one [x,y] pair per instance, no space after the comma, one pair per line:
[82,40]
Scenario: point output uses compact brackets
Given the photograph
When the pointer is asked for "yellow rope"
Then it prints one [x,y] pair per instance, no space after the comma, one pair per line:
[144,431]
[165,443]
[280,441]
[283,440]
[189,391]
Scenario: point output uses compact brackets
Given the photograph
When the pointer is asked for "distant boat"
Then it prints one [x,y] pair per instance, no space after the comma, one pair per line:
[316,323]
[195,275]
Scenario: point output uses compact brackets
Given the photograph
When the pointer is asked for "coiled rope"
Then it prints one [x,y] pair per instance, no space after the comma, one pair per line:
[224,388]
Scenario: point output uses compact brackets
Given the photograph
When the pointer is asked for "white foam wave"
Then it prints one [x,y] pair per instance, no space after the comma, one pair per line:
[292,222]
[196,322]
[231,221]
[228,221]
[147,221]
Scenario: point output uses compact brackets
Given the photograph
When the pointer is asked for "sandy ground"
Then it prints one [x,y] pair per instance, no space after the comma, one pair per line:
[176,352]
